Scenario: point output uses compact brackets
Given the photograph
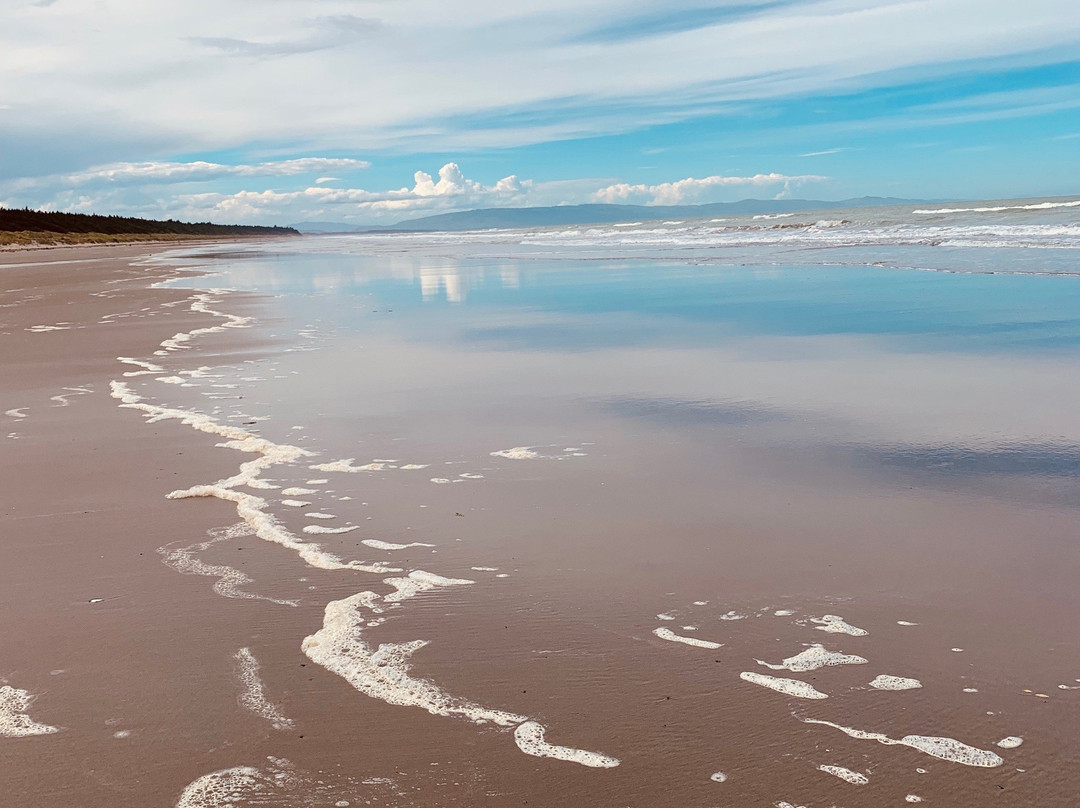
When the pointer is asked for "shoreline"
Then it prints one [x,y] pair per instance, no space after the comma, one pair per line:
[86,597]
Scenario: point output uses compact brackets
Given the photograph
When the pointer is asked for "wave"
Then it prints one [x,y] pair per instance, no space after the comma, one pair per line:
[999,208]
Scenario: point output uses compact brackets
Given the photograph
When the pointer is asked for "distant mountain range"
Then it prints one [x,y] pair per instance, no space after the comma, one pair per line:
[509,218]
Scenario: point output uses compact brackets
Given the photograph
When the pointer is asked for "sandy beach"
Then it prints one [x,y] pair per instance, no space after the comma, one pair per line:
[641,603]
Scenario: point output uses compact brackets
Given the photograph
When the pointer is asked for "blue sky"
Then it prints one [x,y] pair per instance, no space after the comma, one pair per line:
[368,111]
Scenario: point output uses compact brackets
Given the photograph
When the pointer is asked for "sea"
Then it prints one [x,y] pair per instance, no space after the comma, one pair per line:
[776,510]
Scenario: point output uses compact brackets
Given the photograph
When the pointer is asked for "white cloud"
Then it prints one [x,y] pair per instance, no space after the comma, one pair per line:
[692,190]
[452,190]
[208,75]
[195,171]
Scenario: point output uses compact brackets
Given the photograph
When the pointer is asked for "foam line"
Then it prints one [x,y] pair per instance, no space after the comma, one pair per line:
[17,412]
[254,696]
[14,721]
[885,682]
[201,303]
[314,530]
[419,581]
[252,509]
[847,775]
[229,580]
[529,737]
[789,687]
[299,492]
[386,545]
[383,673]
[942,748]
[671,636]
[345,466]
[813,658]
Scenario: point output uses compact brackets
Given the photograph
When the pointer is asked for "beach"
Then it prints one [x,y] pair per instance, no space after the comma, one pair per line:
[553,518]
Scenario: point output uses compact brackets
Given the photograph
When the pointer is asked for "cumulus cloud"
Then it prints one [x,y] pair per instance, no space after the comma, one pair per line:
[692,189]
[316,199]
[451,191]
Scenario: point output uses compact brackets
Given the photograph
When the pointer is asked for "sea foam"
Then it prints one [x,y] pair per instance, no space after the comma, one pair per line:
[14,720]
[529,736]
[813,658]
[254,696]
[671,636]
[942,748]
[789,687]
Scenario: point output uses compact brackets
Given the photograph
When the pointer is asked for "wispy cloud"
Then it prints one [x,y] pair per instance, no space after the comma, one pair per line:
[329,32]
[693,189]
[823,153]
[195,171]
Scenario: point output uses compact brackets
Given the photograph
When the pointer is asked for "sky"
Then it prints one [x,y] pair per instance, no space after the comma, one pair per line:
[376,111]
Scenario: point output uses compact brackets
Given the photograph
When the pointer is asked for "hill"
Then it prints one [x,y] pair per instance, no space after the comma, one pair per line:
[488,218]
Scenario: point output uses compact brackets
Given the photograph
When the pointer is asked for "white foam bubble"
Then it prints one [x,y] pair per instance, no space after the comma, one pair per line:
[419,581]
[905,623]
[912,798]
[1010,742]
[315,530]
[440,480]
[415,466]
[834,624]
[383,673]
[885,682]
[222,789]
[971,690]
[733,615]
[813,658]
[784,612]
[319,515]
[789,687]
[317,482]
[529,737]
[386,545]
[517,453]
[229,580]
[295,503]
[671,636]
[346,466]
[14,720]
[718,777]
[485,569]
[665,616]
[298,492]
[62,399]
[845,774]
[254,696]
[942,748]
[17,412]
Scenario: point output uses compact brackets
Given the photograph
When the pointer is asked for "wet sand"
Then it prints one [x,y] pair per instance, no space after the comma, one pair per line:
[605,630]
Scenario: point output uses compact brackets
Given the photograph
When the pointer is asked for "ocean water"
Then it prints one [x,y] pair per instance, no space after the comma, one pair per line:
[760,511]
